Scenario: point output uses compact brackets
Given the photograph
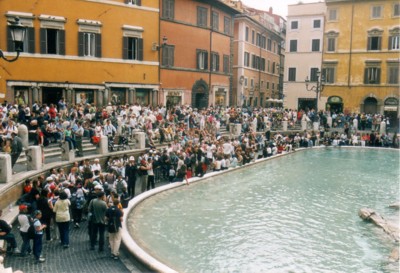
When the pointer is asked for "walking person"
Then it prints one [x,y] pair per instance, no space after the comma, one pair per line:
[24,222]
[61,209]
[97,209]
[114,219]
[16,148]
[38,239]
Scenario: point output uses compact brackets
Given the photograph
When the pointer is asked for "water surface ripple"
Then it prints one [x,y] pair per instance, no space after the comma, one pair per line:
[296,213]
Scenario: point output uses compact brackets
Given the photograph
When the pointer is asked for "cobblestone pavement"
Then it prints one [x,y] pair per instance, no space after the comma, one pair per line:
[76,259]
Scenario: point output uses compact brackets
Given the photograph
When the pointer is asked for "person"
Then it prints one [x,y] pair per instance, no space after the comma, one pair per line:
[8,236]
[77,204]
[46,207]
[24,223]
[182,175]
[114,219]
[130,176]
[97,209]
[120,185]
[37,241]
[16,148]
[40,141]
[61,209]
[150,174]
[78,139]
[143,174]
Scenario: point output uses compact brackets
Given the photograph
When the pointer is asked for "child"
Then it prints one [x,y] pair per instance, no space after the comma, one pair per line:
[37,241]
[171,174]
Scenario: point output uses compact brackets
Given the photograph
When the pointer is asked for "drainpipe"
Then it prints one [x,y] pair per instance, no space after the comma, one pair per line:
[351,44]
[210,57]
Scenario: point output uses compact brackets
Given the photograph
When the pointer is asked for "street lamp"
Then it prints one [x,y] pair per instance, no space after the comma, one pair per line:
[317,88]
[156,47]
[18,36]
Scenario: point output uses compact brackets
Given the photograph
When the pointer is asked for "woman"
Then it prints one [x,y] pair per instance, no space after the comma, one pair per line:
[114,219]
[61,209]
[24,222]
[37,241]
[150,174]
[45,207]
[182,175]
[68,138]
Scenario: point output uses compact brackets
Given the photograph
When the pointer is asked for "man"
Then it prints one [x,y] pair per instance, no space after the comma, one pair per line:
[8,236]
[130,176]
[16,148]
[97,209]
[78,138]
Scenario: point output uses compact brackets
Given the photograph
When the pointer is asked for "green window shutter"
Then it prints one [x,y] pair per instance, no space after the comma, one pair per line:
[206,61]
[43,41]
[31,40]
[378,76]
[80,44]
[139,2]
[172,56]
[365,75]
[197,58]
[140,49]
[10,44]
[61,42]
[217,62]
[125,48]
[98,45]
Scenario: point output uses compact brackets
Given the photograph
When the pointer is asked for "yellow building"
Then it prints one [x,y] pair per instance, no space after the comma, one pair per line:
[87,51]
[361,56]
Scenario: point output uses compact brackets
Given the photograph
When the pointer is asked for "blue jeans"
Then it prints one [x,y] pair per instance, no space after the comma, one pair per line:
[37,245]
[63,227]
[97,228]
[26,243]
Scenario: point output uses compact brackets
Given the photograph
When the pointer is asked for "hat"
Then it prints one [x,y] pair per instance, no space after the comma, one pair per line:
[52,186]
[23,207]
[132,158]
[99,187]
[50,178]
[96,160]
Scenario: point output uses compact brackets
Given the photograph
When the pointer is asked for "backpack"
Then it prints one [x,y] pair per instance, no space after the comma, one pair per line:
[31,230]
[112,227]
[120,187]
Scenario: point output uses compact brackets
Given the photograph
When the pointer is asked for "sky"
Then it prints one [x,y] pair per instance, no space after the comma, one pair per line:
[279,6]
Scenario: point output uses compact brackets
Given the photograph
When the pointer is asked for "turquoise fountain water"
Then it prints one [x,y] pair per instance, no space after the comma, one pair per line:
[296,213]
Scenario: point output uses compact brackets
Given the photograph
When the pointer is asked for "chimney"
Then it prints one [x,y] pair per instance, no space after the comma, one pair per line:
[270,10]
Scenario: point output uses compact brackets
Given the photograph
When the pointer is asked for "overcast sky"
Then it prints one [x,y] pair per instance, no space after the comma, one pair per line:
[279,6]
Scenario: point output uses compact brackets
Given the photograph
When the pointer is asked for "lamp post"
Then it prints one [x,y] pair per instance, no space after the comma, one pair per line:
[317,88]
[17,36]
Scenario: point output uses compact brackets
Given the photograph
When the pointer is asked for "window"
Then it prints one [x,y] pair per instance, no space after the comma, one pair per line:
[396,10]
[168,9]
[292,74]
[133,2]
[52,41]
[315,45]
[253,36]
[262,64]
[247,34]
[28,43]
[317,23]
[133,48]
[273,67]
[247,59]
[226,64]
[252,83]
[268,66]
[202,17]
[376,12]
[214,62]
[372,75]
[314,74]
[394,42]
[393,74]
[246,82]
[293,45]
[374,43]
[328,74]
[267,85]
[215,20]
[273,86]
[168,55]
[227,25]
[332,14]
[89,44]
[269,44]
[202,59]
[264,42]
[331,44]
[294,25]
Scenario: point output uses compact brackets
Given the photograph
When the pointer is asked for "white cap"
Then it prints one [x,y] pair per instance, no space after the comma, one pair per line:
[132,158]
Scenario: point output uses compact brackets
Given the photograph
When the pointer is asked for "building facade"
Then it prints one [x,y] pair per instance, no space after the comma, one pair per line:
[303,55]
[196,60]
[257,62]
[361,57]
[95,52]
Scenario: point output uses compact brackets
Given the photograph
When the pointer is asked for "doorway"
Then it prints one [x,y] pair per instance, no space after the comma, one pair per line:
[51,95]
[370,106]
[200,101]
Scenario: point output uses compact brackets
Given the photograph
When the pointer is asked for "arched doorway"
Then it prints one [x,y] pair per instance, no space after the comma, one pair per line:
[391,111]
[334,104]
[200,94]
[370,105]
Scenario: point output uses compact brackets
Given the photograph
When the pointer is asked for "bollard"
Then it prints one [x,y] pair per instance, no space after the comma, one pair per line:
[5,168]
[140,140]
[34,158]
[119,128]
[382,129]
[329,122]
[303,125]
[24,135]
[284,125]
[235,129]
[102,147]
[66,153]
